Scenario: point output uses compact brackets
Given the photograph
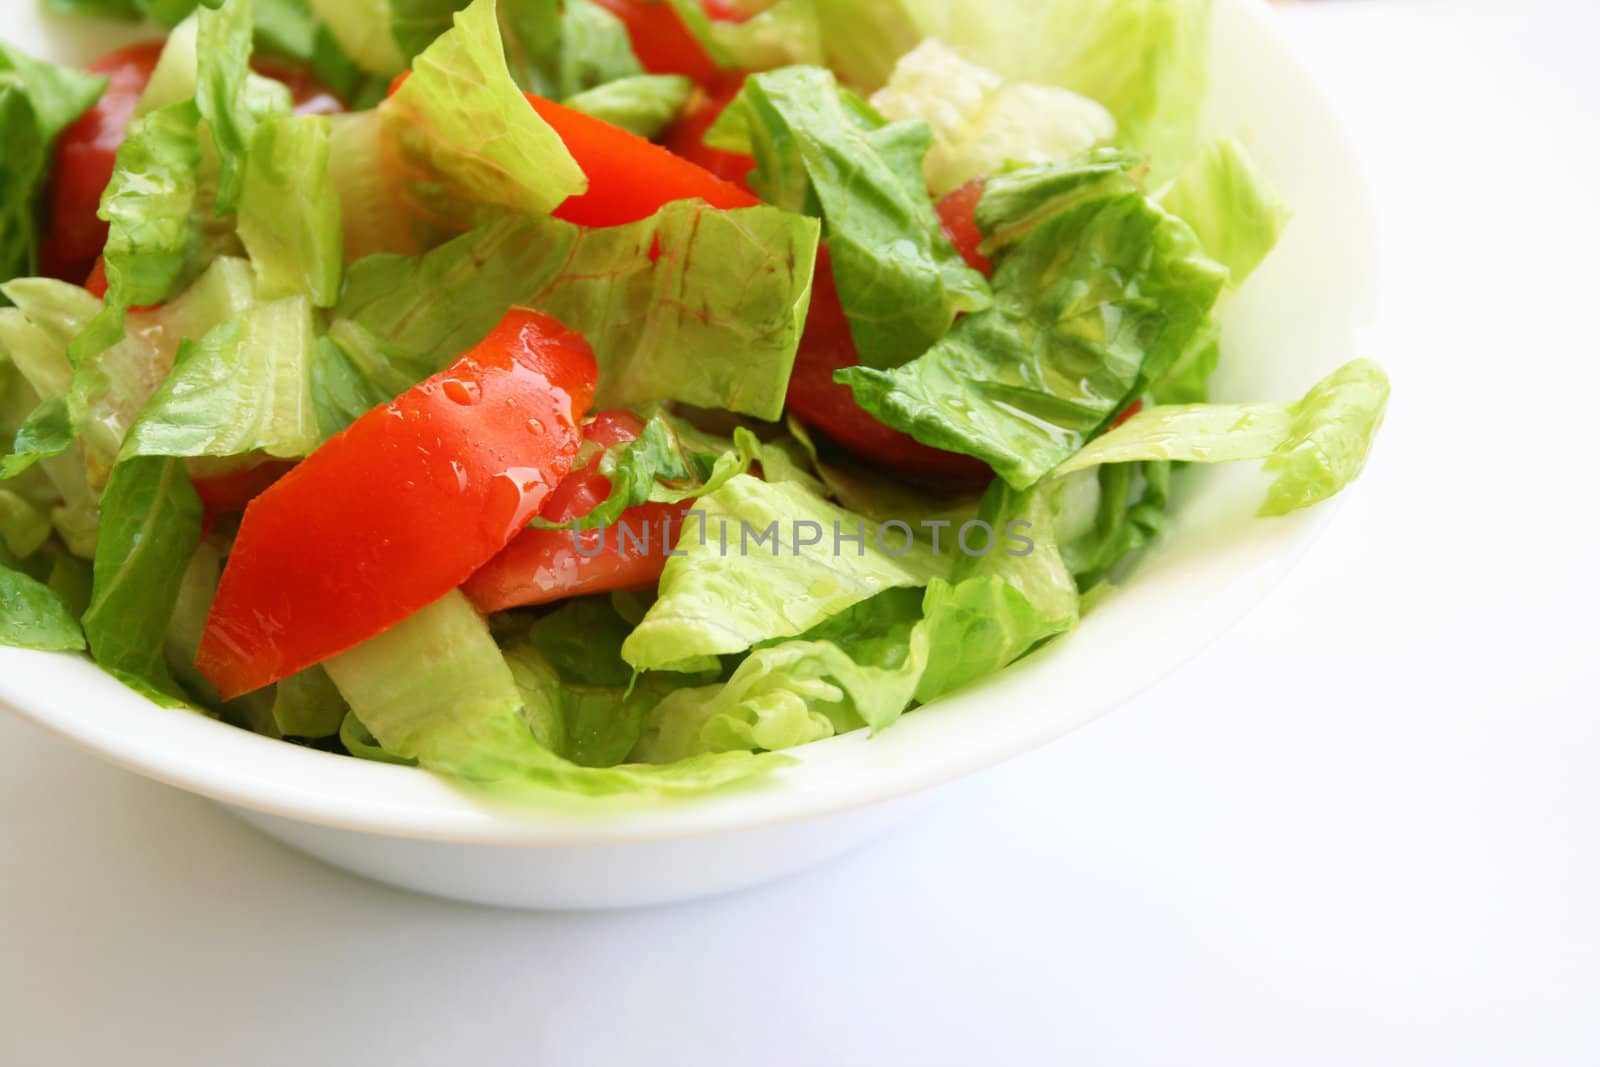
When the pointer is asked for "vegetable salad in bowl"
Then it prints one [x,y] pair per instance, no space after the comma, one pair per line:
[612,395]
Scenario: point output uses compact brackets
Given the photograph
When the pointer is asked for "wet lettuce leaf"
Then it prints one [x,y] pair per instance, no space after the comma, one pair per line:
[1098,291]
[821,149]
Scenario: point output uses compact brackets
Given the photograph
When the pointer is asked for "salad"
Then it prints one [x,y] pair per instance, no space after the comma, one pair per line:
[612,395]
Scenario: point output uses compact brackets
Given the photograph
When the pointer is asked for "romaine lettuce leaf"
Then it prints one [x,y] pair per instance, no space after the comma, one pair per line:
[863,39]
[149,529]
[1230,205]
[363,30]
[463,129]
[757,562]
[644,104]
[1097,292]
[37,101]
[289,217]
[436,689]
[820,148]
[782,34]
[982,123]
[243,388]
[560,49]
[1145,60]
[692,304]
[23,527]
[33,616]
[1313,447]
[308,704]
[232,100]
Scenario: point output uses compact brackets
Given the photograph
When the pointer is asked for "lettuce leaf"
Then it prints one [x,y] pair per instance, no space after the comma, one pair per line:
[37,101]
[983,123]
[436,689]
[560,49]
[1147,61]
[461,125]
[289,216]
[232,100]
[1230,205]
[363,30]
[692,304]
[820,148]
[757,562]
[1098,291]
[644,104]
[1313,447]
[308,704]
[863,40]
[33,616]
[149,529]
[243,388]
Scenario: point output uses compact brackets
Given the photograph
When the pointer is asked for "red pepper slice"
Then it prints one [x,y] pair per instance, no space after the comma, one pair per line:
[401,507]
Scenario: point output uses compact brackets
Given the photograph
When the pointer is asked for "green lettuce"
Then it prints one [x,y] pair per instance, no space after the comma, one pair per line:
[436,689]
[232,100]
[1313,447]
[820,148]
[644,104]
[1147,61]
[461,125]
[757,563]
[1098,291]
[560,49]
[863,40]
[33,616]
[243,388]
[692,304]
[149,529]
[37,101]
[289,216]
[308,704]
[983,123]
[1230,205]
[23,527]
[363,31]
[286,27]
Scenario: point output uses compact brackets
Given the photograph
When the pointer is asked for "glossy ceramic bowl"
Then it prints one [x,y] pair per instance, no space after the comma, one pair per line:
[1305,313]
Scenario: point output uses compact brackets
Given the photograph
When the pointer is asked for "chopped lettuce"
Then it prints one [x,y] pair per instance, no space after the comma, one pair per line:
[362,30]
[1098,291]
[436,689]
[692,304]
[1313,447]
[782,34]
[863,40]
[37,101]
[644,104]
[149,529]
[757,561]
[33,616]
[1230,205]
[1147,61]
[308,704]
[461,121]
[983,123]
[232,100]
[289,216]
[820,148]
[560,49]
[243,388]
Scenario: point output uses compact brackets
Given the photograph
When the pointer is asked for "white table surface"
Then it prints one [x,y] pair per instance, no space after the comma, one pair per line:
[1362,829]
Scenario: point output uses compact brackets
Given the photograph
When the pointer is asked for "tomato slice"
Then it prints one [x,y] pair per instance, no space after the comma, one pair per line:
[826,405]
[544,566]
[401,507]
[630,178]
[662,42]
[84,155]
[87,150]
[228,491]
[958,214]
[687,136]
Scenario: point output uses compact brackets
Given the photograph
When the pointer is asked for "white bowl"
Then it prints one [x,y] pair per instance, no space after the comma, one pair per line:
[1308,311]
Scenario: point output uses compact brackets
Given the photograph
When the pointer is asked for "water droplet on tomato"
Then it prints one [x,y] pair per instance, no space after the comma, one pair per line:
[465,393]
[535,426]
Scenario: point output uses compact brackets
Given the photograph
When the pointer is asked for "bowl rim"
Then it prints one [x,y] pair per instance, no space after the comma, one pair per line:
[245,770]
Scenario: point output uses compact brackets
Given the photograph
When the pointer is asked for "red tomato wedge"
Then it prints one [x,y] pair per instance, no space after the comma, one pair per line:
[401,507]
[958,213]
[87,150]
[84,155]
[544,566]
[662,42]
[687,136]
[826,405]
[630,178]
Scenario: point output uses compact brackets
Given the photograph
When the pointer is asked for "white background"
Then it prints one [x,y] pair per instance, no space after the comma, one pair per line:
[1362,829]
